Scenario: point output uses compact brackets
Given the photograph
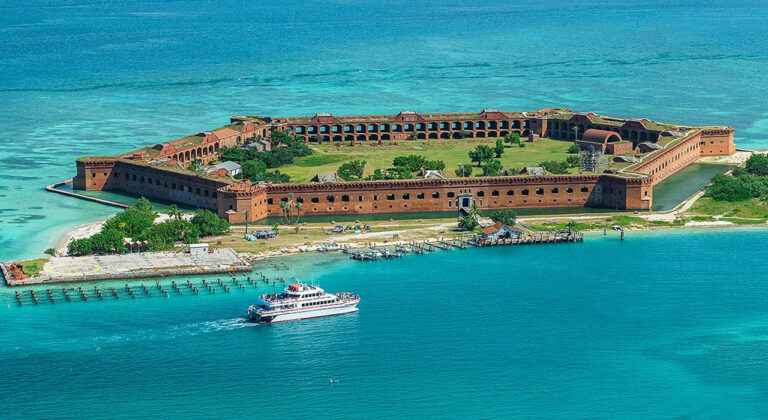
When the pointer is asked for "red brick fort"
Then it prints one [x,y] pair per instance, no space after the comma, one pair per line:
[160,171]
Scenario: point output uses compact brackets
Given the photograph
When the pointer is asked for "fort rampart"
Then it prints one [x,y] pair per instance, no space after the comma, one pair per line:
[159,171]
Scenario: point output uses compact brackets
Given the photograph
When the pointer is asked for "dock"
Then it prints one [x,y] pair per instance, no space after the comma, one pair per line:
[374,253]
[143,291]
[532,238]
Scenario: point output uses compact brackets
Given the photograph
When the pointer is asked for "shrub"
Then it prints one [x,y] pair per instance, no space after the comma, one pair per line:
[468,223]
[351,170]
[464,170]
[492,168]
[727,188]
[208,223]
[757,164]
[555,167]
[506,216]
[481,154]
[412,162]
[434,165]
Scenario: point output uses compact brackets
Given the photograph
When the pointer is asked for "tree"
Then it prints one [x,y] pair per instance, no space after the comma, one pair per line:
[412,162]
[468,223]
[134,219]
[464,170]
[351,170]
[50,251]
[399,172]
[757,164]
[572,161]
[728,188]
[499,149]
[377,175]
[209,223]
[298,212]
[492,168]
[434,165]
[254,169]
[574,149]
[506,216]
[482,153]
[575,129]
[173,212]
[512,138]
[288,206]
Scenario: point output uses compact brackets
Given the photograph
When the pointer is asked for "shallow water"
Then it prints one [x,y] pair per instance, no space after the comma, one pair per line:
[602,329]
[91,77]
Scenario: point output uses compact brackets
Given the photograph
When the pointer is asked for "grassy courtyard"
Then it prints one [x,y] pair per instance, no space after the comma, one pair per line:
[329,156]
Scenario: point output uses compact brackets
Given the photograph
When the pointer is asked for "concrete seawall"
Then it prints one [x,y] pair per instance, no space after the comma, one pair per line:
[134,266]
[55,189]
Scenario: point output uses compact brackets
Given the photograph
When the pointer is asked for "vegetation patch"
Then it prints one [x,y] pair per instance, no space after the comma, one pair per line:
[137,223]
[740,221]
[452,153]
[34,267]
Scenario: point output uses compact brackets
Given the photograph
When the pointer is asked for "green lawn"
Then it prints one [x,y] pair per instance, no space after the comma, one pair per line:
[328,157]
[748,209]
[33,267]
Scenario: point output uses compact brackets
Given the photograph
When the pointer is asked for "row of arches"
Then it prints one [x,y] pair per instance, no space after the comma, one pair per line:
[565,130]
[408,127]
[199,153]
[414,136]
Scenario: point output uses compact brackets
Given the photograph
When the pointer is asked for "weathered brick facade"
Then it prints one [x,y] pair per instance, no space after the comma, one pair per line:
[147,172]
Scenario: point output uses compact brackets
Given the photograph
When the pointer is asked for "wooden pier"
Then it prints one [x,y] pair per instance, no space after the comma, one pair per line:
[65,295]
[532,238]
[373,252]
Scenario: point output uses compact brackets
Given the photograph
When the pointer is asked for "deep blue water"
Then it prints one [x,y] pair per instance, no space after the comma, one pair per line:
[602,329]
[659,326]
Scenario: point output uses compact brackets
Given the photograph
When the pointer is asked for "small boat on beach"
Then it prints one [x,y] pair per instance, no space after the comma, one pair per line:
[301,301]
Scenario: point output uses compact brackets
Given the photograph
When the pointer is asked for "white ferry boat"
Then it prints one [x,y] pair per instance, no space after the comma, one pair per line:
[300,301]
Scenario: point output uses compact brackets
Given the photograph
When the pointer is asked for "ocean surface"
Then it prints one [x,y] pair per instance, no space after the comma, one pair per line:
[602,329]
[662,325]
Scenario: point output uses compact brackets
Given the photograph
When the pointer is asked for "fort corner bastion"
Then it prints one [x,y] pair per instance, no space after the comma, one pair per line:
[658,150]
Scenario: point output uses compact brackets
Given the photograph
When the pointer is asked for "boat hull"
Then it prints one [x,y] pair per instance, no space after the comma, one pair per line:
[295,315]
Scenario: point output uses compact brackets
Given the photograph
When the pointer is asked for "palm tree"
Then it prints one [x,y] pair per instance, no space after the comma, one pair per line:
[183,230]
[575,129]
[298,211]
[287,207]
[173,211]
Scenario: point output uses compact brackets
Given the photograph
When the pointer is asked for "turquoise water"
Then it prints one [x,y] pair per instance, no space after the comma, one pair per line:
[600,329]
[98,77]
[589,330]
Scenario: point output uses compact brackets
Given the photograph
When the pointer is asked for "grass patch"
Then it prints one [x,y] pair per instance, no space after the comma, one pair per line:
[740,221]
[747,209]
[551,226]
[328,157]
[319,160]
[33,267]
